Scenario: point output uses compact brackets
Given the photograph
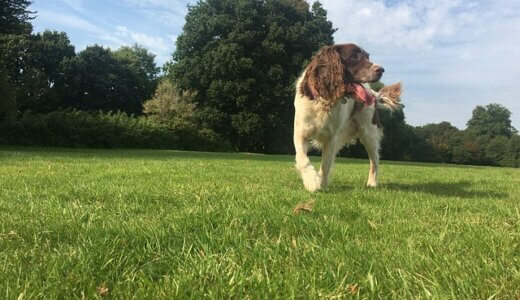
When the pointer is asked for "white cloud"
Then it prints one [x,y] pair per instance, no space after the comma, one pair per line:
[153,43]
[170,12]
[450,55]
[112,37]
[412,25]
[69,21]
[114,42]
[74,4]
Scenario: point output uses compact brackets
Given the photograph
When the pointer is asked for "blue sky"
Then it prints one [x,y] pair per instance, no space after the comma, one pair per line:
[451,55]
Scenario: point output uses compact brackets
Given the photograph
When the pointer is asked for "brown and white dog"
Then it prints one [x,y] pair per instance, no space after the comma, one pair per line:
[335,106]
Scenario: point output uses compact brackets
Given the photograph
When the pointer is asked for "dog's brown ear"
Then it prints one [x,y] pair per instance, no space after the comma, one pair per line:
[324,75]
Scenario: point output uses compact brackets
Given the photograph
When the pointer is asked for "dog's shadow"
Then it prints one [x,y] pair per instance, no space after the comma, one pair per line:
[461,189]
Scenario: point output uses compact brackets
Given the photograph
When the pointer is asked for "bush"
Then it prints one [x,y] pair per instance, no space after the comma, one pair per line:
[171,107]
[83,129]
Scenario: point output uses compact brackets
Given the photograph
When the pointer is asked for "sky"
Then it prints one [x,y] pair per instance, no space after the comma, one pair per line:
[450,55]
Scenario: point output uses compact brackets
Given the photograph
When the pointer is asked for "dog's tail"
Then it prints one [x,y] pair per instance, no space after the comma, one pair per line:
[389,96]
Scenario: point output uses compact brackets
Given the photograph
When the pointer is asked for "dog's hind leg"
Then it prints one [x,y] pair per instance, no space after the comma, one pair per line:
[370,137]
[311,179]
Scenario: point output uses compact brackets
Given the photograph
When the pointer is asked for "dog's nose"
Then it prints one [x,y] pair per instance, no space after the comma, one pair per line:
[380,70]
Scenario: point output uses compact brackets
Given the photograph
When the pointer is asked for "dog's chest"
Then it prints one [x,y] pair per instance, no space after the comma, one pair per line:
[331,122]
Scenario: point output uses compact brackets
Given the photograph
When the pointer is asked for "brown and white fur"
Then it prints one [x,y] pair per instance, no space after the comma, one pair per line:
[328,118]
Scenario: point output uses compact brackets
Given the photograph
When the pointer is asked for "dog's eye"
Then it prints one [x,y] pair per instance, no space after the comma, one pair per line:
[355,56]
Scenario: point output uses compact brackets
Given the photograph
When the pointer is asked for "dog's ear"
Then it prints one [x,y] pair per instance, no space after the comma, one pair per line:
[324,75]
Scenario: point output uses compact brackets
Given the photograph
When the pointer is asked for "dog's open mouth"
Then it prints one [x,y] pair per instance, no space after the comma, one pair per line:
[359,92]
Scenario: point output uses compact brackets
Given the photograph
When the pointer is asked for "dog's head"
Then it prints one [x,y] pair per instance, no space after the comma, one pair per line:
[336,65]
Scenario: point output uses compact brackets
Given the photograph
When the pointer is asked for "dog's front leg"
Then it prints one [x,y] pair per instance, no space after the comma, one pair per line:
[327,159]
[311,179]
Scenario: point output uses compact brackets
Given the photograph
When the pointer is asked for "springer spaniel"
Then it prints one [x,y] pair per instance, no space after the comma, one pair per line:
[335,106]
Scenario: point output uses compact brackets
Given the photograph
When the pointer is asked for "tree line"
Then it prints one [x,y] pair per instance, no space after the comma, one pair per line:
[229,86]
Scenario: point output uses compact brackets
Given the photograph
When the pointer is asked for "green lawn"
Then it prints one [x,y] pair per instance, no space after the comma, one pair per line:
[169,224]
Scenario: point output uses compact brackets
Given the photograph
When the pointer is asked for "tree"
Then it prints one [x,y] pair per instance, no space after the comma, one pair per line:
[242,58]
[49,50]
[443,138]
[96,79]
[14,17]
[8,99]
[492,120]
[32,64]
[396,139]
[512,156]
[142,62]
[172,107]
[471,150]
[496,150]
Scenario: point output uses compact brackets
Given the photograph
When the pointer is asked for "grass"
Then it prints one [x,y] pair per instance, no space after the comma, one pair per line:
[168,224]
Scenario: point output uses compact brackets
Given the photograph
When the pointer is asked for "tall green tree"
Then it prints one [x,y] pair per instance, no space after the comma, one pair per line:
[512,157]
[15,17]
[97,79]
[49,50]
[492,120]
[142,63]
[444,139]
[7,98]
[32,63]
[242,57]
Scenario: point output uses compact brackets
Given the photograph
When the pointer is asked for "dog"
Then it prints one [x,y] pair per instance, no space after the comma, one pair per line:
[335,106]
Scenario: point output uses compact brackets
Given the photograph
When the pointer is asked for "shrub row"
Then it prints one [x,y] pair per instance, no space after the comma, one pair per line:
[82,129]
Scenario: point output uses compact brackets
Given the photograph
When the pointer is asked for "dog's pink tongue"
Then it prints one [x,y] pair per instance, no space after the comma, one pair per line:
[360,92]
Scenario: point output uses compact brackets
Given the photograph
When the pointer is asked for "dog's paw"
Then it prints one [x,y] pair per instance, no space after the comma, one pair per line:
[324,181]
[312,182]
[371,183]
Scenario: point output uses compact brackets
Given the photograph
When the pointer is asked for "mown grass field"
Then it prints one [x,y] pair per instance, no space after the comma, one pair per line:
[168,224]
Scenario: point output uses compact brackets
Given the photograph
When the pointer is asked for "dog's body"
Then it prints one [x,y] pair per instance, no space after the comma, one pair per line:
[328,112]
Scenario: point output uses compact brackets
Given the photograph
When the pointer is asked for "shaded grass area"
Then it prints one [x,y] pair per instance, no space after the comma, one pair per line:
[152,224]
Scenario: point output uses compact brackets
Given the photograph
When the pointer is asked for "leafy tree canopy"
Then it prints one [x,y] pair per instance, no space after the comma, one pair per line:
[14,17]
[242,57]
[139,59]
[101,79]
[492,120]
[142,63]
[32,63]
[8,100]
[96,80]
